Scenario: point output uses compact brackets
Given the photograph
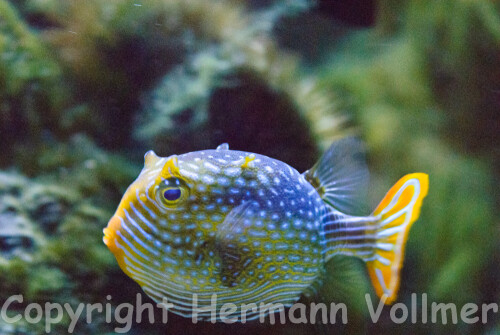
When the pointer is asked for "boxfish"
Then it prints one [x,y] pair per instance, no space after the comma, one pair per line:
[252,229]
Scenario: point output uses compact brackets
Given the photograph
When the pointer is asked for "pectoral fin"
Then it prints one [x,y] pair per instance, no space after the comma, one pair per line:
[232,244]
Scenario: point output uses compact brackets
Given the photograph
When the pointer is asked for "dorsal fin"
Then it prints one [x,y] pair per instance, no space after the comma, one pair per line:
[341,176]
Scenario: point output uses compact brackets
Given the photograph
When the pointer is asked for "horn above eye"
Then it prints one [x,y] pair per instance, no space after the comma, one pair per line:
[150,159]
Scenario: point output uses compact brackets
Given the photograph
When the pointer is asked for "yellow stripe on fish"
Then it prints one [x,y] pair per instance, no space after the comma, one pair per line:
[252,229]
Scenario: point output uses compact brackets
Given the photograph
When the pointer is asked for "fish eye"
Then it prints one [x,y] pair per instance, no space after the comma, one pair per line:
[171,192]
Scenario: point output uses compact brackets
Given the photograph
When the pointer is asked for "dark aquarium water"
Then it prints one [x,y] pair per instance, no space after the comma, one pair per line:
[88,87]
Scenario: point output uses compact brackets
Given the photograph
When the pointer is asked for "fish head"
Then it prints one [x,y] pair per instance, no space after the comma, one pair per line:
[165,227]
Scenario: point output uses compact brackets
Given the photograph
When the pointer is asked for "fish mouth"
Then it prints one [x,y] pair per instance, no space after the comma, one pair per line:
[109,238]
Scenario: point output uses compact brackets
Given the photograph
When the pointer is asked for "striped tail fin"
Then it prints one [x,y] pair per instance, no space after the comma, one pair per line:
[395,214]
[379,239]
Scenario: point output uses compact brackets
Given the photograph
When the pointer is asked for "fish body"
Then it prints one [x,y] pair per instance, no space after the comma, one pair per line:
[252,229]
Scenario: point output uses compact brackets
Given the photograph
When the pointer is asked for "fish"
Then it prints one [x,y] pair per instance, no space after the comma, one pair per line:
[252,229]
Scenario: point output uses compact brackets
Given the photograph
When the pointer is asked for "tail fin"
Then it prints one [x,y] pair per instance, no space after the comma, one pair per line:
[395,215]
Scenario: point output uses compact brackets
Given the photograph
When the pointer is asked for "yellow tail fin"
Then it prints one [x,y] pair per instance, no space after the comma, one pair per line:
[395,215]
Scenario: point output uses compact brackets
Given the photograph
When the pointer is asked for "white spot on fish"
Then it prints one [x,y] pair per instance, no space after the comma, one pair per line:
[216,191]
[284,175]
[193,166]
[262,178]
[207,179]
[211,167]
[240,181]
[190,175]
[223,181]
[232,171]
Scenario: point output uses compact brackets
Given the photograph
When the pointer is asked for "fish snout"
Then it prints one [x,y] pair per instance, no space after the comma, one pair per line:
[110,232]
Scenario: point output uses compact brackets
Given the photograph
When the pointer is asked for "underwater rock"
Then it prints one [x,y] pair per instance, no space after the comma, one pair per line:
[15,239]
[18,236]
